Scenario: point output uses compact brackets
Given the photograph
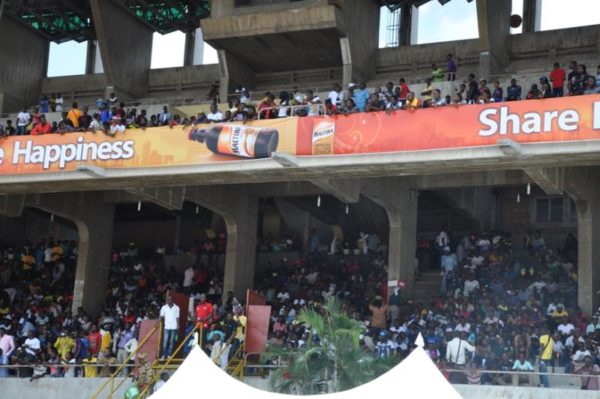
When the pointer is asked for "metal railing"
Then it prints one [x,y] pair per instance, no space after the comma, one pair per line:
[311,108]
[115,375]
[167,364]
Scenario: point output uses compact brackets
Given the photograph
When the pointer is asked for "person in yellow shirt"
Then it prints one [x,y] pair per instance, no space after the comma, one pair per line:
[57,252]
[64,344]
[546,352]
[74,115]
[90,368]
[560,312]
[106,342]
[412,102]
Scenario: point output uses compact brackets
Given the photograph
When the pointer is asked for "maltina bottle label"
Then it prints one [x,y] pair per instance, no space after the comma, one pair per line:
[322,138]
[237,140]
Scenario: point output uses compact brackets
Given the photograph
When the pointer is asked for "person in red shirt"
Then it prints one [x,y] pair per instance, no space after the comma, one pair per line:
[330,108]
[204,311]
[266,107]
[94,339]
[404,90]
[42,128]
[557,77]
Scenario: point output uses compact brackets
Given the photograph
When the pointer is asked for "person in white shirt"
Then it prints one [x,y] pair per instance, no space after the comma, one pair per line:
[59,102]
[438,100]
[456,351]
[32,346]
[336,95]
[23,119]
[215,115]
[565,328]
[471,286]
[170,315]
[164,377]
[188,280]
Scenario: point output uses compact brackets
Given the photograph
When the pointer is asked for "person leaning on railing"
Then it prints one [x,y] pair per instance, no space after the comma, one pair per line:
[588,370]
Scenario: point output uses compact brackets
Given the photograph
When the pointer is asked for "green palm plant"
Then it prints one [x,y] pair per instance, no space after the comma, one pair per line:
[333,363]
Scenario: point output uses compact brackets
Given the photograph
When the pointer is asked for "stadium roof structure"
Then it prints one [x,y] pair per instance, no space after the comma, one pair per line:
[396,4]
[63,20]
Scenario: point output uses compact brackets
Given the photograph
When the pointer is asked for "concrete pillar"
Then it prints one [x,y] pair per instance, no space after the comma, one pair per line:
[532,15]
[98,66]
[400,203]
[90,59]
[194,48]
[363,38]
[493,17]
[126,47]
[583,185]
[409,26]
[24,55]
[240,213]
[233,73]
[306,233]
[95,222]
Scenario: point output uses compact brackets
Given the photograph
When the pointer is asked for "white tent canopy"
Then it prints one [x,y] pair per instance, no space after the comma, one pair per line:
[416,377]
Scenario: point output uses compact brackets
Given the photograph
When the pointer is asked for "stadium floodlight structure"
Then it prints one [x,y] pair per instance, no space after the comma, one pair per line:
[63,20]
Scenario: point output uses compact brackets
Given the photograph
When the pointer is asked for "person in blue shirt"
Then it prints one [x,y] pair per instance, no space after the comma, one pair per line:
[513,91]
[498,92]
[44,105]
[361,96]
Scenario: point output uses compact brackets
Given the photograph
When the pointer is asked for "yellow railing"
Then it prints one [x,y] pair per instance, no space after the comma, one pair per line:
[112,378]
[167,364]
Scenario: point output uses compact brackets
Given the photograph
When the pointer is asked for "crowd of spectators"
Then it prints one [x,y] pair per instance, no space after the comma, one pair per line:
[113,117]
[494,312]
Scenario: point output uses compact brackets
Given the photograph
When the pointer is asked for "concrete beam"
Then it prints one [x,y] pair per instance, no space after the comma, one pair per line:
[347,191]
[126,48]
[94,219]
[583,185]
[532,15]
[170,198]
[363,38]
[493,17]
[473,179]
[400,201]
[550,180]
[12,205]
[240,213]
[21,72]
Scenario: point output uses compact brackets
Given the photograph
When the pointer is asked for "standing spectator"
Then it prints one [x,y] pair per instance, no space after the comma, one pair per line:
[456,354]
[85,120]
[437,74]
[44,104]
[74,114]
[572,74]
[534,93]
[266,107]
[113,100]
[427,93]
[7,343]
[165,117]
[32,346]
[9,129]
[23,119]
[52,103]
[361,96]
[336,95]
[42,128]
[59,102]
[404,90]
[513,91]
[452,69]
[204,312]
[473,92]
[557,77]
[142,120]
[498,93]
[170,315]
[349,107]
[578,82]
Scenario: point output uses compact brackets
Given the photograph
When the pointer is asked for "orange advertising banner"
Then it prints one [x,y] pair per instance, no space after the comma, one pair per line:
[533,121]
[153,147]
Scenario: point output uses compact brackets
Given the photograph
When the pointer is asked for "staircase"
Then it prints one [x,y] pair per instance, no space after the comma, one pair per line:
[427,287]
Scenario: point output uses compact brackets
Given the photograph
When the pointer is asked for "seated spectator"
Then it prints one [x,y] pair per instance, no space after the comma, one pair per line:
[85,120]
[9,129]
[336,95]
[457,100]
[240,113]
[330,108]
[215,116]
[522,364]
[349,107]
[117,126]
[412,102]
[374,104]
[534,93]
[513,91]
[437,100]
[42,128]
[142,120]
[545,89]
[579,81]
[64,127]
[592,87]
[388,92]
[313,102]
[394,104]
[589,371]
[266,108]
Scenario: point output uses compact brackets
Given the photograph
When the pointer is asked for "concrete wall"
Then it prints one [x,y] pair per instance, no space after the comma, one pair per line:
[58,388]
[23,61]
[126,47]
[225,8]
[362,29]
